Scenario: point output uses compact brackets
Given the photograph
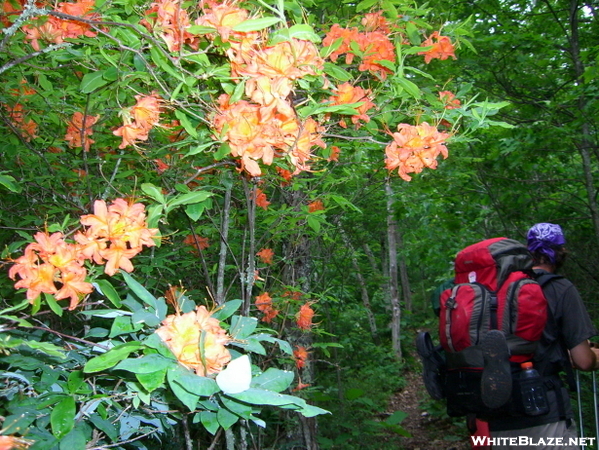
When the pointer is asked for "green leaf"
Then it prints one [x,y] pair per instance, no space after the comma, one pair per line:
[186,123]
[154,192]
[256,24]
[75,380]
[188,198]
[111,357]
[92,81]
[10,183]
[74,440]
[199,29]
[337,72]
[189,381]
[153,380]
[210,421]
[257,396]
[227,310]
[273,379]
[409,87]
[47,348]
[242,327]
[304,32]
[140,291]
[145,364]
[226,419]
[313,223]
[62,417]
[53,304]
[107,290]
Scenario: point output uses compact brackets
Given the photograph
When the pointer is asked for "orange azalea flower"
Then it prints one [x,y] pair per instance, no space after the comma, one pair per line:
[300,386]
[285,174]
[264,305]
[334,156]
[293,295]
[197,340]
[347,35]
[315,206]
[375,22]
[198,242]
[301,356]
[415,147]
[442,48]
[309,134]
[76,129]
[131,134]
[139,119]
[376,47]
[346,94]
[170,21]
[266,255]
[448,98]
[14,443]
[11,8]
[261,200]
[304,316]
[18,120]
[224,18]
[74,287]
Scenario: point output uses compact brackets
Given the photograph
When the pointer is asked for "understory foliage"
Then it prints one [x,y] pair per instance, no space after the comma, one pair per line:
[180,173]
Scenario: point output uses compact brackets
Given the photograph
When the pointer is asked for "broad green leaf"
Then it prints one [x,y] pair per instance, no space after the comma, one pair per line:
[226,419]
[75,380]
[74,439]
[242,327]
[210,421]
[337,72]
[186,123]
[47,348]
[257,396]
[189,399]
[111,357]
[188,198]
[256,24]
[273,379]
[199,29]
[154,192]
[53,304]
[410,87]
[10,183]
[108,291]
[153,380]
[227,310]
[313,223]
[92,81]
[189,381]
[140,291]
[304,32]
[62,417]
[145,364]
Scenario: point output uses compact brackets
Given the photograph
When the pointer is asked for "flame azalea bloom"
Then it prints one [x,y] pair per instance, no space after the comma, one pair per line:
[285,174]
[347,35]
[140,119]
[224,18]
[264,305]
[266,255]
[76,129]
[375,22]
[304,316]
[315,206]
[170,21]
[131,134]
[415,147]
[115,234]
[14,443]
[448,98]
[300,386]
[50,260]
[442,48]
[18,120]
[261,200]
[301,356]
[197,340]
[376,47]
[334,156]
[197,242]
[10,10]
[310,133]
[346,94]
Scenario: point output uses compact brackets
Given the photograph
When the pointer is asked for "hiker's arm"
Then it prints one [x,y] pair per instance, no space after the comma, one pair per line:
[584,357]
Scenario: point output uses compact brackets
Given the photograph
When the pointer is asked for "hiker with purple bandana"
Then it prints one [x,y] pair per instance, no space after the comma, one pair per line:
[564,344]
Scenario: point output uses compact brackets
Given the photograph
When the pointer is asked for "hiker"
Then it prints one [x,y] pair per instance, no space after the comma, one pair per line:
[564,344]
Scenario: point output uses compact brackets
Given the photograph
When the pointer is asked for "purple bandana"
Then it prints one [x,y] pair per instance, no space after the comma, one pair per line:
[545,238]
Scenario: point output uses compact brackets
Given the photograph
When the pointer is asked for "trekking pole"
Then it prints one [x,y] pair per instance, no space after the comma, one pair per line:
[579,401]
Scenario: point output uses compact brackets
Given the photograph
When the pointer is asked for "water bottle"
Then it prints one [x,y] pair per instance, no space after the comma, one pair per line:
[532,391]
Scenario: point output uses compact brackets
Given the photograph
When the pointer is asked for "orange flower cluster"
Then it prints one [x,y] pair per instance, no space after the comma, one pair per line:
[139,119]
[170,21]
[261,199]
[304,316]
[301,356]
[448,98]
[266,255]
[346,94]
[115,234]
[78,128]
[197,242]
[415,147]
[316,205]
[197,340]
[18,120]
[374,43]
[442,48]
[264,305]
[57,30]
[51,260]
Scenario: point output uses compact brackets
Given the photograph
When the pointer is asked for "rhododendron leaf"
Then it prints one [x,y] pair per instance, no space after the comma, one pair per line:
[186,123]
[226,419]
[311,411]
[187,398]
[238,92]
[304,32]
[256,24]
[337,72]
[53,304]
[145,364]
[62,417]
[329,49]
[210,422]
[223,151]
[413,33]
[139,291]
[92,81]
[10,183]
[195,211]
[107,290]
[410,87]
[163,62]
[111,74]
[191,382]
[111,357]
[154,192]
[242,327]
[46,347]
[151,319]
[273,379]
[283,345]
[187,199]
[153,380]
[227,310]
[199,148]
[366,4]
[241,409]
[251,344]
[200,29]
[256,396]
[313,223]
[123,325]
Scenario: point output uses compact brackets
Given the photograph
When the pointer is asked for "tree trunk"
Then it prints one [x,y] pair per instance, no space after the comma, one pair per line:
[403,273]
[393,272]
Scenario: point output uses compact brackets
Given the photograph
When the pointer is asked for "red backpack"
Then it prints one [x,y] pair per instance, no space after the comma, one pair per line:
[492,291]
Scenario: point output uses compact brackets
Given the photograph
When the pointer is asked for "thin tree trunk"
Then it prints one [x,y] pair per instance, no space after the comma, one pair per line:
[224,236]
[403,273]
[248,278]
[393,273]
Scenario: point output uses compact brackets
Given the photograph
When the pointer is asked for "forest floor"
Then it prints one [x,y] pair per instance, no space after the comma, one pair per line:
[428,431]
